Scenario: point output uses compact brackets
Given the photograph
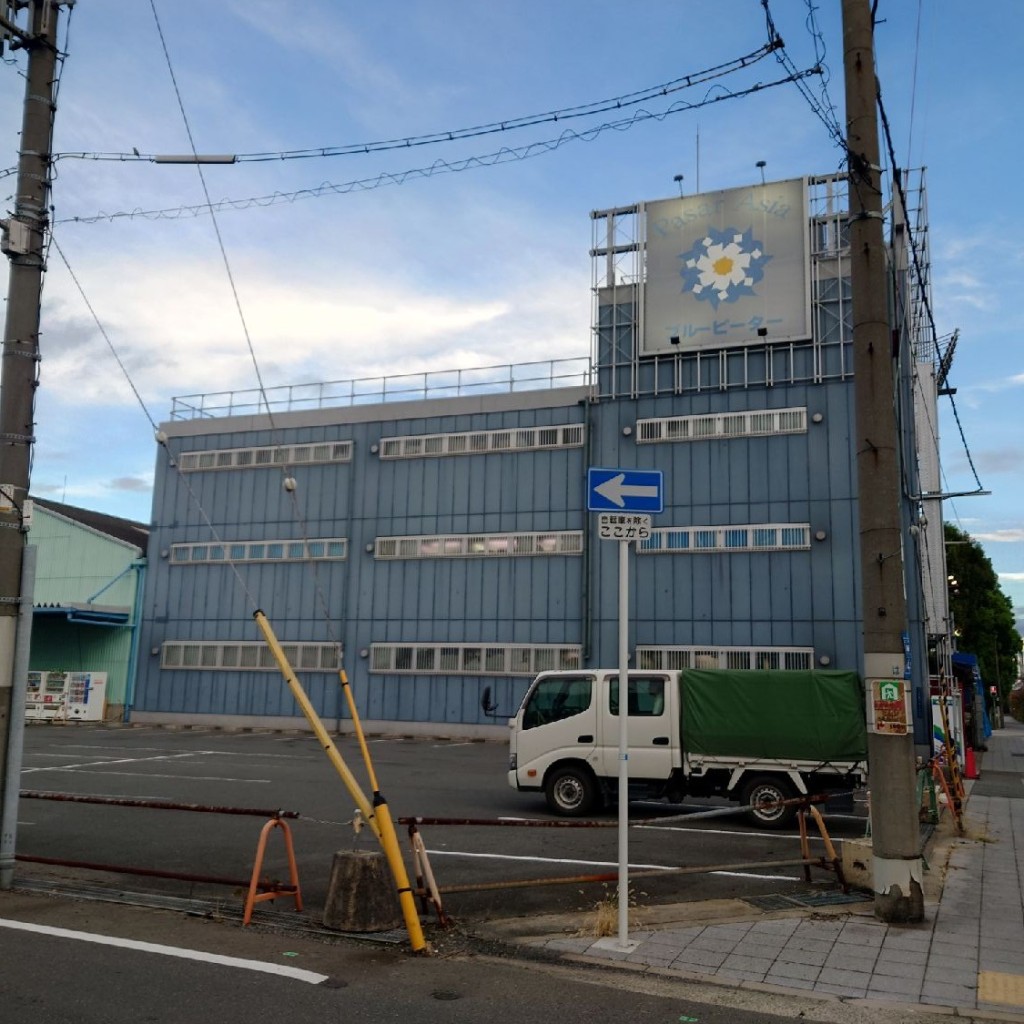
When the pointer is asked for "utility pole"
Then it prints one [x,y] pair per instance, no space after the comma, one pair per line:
[895,830]
[24,235]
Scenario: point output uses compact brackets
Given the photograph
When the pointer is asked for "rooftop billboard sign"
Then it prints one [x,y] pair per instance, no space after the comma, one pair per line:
[726,268]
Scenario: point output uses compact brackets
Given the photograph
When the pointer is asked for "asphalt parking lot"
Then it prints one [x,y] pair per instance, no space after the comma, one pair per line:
[420,777]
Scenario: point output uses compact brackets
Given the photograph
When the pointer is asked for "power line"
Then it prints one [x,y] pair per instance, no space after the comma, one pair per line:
[824,114]
[495,127]
[286,476]
[209,206]
[438,167]
[918,274]
[103,331]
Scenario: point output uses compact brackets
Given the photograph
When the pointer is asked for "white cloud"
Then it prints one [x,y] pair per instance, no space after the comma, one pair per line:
[176,329]
[1001,536]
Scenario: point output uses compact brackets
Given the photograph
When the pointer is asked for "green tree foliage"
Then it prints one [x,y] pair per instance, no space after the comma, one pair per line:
[982,613]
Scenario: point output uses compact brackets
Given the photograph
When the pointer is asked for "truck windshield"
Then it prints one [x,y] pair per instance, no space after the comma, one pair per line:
[556,698]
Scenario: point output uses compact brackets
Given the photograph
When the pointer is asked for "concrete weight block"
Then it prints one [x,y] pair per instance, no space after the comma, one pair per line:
[361,895]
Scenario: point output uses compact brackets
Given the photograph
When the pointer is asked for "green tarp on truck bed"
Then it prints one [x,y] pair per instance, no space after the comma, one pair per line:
[807,716]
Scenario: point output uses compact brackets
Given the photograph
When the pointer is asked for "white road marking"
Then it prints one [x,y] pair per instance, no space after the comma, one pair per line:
[157,775]
[108,747]
[96,764]
[295,973]
[545,860]
[717,832]
[39,753]
[599,864]
[85,766]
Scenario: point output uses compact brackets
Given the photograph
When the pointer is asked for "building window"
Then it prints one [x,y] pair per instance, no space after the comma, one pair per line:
[480,545]
[231,656]
[704,539]
[477,442]
[725,425]
[666,659]
[473,659]
[271,455]
[335,549]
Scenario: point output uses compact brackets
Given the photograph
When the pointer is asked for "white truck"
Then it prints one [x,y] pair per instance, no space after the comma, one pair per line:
[751,736]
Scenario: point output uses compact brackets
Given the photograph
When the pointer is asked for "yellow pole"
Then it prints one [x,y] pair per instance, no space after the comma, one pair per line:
[313,718]
[388,838]
[358,726]
[379,821]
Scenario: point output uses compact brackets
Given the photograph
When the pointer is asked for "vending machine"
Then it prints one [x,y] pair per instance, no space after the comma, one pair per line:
[34,696]
[55,695]
[86,696]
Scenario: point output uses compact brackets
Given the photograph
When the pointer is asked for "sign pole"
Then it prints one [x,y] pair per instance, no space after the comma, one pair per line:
[625,498]
[624,744]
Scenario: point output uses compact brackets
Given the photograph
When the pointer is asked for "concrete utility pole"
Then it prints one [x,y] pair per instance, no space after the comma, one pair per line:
[895,830]
[23,242]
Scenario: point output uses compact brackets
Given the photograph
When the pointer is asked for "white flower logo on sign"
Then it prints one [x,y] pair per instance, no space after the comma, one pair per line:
[723,265]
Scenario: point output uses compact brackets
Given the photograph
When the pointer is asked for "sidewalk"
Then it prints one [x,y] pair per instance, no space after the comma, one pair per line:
[968,954]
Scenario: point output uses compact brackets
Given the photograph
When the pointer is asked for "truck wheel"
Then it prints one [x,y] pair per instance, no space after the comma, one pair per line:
[765,789]
[571,791]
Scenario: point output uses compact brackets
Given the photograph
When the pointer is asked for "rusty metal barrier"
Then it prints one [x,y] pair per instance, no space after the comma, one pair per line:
[257,889]
[805,804]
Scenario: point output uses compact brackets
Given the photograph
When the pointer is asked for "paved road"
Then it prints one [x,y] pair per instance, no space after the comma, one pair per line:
[64,979]
[419,777]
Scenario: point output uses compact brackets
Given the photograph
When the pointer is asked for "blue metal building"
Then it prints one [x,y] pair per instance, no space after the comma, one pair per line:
[430,532]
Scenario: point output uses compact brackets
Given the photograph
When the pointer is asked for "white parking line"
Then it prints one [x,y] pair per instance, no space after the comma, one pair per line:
[717,832]
[600,864]
[84,768]
[97,764]
[157,775]
[295,973]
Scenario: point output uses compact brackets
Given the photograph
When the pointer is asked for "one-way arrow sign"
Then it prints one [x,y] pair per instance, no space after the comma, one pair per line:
[624,490]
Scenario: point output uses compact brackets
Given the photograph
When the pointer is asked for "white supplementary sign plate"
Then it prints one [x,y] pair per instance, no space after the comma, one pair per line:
[623,526]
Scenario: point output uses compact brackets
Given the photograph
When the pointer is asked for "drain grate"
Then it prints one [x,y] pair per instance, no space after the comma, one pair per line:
[804,900]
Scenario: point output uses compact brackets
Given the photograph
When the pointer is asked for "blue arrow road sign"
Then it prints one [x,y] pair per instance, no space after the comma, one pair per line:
[624,490]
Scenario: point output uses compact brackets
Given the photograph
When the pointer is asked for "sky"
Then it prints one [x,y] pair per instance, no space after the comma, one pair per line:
[479,256]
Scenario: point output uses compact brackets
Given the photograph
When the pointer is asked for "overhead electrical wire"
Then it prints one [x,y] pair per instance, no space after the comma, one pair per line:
[140,400]
[825,113]
[913,82]
[476,131]
[919,275]
[286,470]
[438,167]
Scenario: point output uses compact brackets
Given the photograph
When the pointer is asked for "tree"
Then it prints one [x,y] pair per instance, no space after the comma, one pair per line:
[982,613]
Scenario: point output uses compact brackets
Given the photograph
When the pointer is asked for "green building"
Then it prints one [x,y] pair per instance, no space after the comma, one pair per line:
[86,608]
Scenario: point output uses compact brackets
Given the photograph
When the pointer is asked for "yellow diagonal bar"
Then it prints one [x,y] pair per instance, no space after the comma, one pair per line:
[351,783]
[381,823]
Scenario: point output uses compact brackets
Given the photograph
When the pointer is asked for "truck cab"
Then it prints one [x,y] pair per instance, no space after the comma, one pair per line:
[564,740]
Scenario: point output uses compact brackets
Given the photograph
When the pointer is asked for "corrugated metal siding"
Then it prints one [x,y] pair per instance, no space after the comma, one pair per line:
[802,598]
[74,563]
[525,600]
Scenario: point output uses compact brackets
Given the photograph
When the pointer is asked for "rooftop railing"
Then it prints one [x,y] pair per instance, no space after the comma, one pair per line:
[406,387]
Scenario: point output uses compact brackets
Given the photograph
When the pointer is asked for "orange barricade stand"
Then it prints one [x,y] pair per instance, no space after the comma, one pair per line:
[273,890]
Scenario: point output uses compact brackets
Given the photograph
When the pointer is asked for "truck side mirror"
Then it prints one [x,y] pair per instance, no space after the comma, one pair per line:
[489,709]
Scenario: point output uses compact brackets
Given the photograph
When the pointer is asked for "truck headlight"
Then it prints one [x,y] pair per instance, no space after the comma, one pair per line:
[513,762]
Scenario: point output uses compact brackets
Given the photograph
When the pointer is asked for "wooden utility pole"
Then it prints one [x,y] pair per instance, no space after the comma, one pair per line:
[24,236]
[895,829]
